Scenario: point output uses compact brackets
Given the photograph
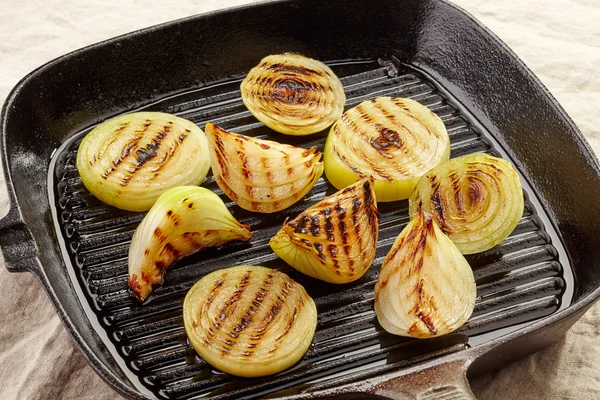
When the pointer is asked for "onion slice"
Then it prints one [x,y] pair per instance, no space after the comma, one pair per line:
[130,160]
[335,239]
[477,200]
[426,287]
[394,140]
[183,221]
[261,175]
[249,321]
[293,94]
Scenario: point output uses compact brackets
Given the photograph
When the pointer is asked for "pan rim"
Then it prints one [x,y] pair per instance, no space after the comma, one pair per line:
[39,271]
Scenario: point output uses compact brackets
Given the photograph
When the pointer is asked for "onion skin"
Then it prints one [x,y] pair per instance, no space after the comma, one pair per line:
[129,161]
[426,287]
[477,200]
[249,321]
[293,94]
[394,140]
[261,175]
[335,239]
[183,221]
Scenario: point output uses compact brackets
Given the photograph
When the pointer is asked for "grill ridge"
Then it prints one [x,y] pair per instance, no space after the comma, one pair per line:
[519,281]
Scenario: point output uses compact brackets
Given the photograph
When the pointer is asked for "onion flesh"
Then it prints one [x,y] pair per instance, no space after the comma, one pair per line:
[426,287]
[335,239]
[261,175]
[477,200]
[183,221]
[129,161]
[394,140]
[249,321]
[293,94]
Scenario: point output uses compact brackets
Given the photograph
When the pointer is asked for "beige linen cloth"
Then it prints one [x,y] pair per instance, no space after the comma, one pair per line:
[558,39]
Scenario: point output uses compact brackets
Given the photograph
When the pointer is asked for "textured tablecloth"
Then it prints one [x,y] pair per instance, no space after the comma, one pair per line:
[558,39]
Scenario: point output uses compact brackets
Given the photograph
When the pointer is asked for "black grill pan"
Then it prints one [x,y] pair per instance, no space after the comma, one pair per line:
[531,288]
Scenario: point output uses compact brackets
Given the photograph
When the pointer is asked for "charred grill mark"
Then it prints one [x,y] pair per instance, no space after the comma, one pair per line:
[245,168]
[314,228]
[333,251]
[264,146]
[440,211]
[222,159]
[169,248]
[474,193]
[289,325]
[306,242]
[342,228]
[300,226]
[319,247]
[356,203]
[149,152]
[386,140]
[127,150]
[328,225]
[293,68]
[136,287]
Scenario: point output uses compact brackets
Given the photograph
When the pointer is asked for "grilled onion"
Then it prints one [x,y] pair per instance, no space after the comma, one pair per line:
[129,161]
[261,175]
[249,321]
[395,141]
[293,94]
[477,200]
[183,221]
[426,287]
[335,239]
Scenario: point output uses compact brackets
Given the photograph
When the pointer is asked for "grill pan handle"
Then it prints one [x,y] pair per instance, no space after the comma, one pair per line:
[16,241]
[447,380]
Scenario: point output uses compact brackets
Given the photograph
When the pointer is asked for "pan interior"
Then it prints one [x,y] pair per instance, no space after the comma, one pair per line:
[524,279]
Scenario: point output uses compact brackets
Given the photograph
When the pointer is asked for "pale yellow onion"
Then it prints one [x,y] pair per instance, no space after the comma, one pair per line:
[394,140]
[477,200]
[426,287]
[183,221]
[130,160]
[261,175]
[335,239]
[249,321]
[293,94]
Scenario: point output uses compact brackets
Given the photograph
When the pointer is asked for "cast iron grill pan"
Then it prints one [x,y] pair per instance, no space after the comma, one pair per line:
[525,278]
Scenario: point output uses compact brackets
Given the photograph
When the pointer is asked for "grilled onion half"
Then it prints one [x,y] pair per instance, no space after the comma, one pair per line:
[293,94]
[335,239]
[183,221]
[249,321]
[394,140]
[426,287]
[261,175]
[477,200]
[130,160]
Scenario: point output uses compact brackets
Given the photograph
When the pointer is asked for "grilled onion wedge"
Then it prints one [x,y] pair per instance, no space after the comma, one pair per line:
[183,221]
[261,175]
[394,140]
[249,321]
[335,239]
[293,94]
[129,161]
[477,200]
[426,287]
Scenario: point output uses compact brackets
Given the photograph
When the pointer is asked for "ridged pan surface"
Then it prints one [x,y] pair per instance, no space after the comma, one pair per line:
[524,279]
